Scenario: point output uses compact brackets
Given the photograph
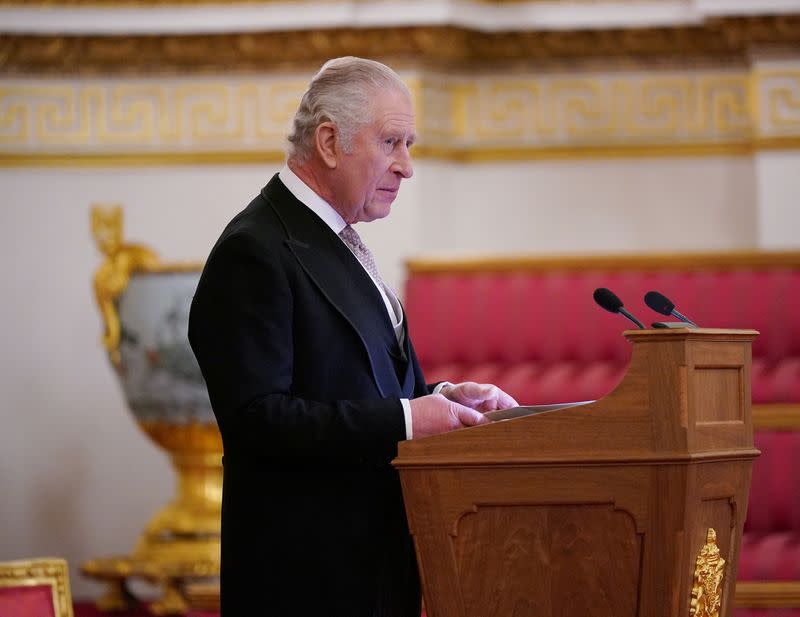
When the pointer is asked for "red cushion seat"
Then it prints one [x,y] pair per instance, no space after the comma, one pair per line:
[27,601]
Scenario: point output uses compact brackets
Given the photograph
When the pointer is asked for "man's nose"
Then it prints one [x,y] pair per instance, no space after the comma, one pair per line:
[402,163]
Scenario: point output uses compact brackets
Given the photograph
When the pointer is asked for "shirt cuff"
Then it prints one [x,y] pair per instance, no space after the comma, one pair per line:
[439,387]
[407,413]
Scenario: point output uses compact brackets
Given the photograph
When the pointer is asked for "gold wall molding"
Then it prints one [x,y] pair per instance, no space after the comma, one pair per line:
[728,38]
[655,262]
[460,117]
[768,594]
[778,417]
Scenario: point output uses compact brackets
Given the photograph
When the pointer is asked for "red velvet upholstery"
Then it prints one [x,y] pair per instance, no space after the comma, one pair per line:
[537,333]
[773,508]
[771,542]
[27,601]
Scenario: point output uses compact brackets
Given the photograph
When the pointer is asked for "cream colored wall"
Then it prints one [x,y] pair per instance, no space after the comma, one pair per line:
[778,193]
[591,205]
[79,480]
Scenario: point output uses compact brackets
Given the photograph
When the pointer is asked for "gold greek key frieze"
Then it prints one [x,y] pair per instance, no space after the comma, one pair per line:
[626,109]
[708,572]
[483,117]
[730,38]
[152,115]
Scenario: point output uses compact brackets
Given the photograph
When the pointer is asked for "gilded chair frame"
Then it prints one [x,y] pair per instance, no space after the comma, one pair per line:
[45,571]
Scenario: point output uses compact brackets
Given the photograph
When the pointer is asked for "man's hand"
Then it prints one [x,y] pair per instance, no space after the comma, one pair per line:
[434,414]
[479,396]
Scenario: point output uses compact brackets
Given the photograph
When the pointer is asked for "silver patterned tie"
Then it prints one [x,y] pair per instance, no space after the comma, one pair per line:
[362,253]
[351,238]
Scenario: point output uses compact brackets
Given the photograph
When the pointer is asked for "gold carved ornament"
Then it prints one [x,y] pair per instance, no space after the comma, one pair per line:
[113,275]
[708,573]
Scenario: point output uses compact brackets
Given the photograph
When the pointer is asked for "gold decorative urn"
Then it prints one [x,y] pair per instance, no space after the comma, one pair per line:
[145,309]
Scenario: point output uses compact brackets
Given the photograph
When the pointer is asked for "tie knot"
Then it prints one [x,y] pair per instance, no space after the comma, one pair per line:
[351,237]
[360,250]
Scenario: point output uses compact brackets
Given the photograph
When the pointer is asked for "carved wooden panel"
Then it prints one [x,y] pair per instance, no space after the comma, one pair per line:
[555,560]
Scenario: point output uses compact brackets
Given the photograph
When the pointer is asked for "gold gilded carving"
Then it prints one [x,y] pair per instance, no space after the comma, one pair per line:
[708,573]
[444,45]
[113,275]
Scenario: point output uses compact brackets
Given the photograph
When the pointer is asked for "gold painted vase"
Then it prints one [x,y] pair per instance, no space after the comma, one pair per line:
[145,309]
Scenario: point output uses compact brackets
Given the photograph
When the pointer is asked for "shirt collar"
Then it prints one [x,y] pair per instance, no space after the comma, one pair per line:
[309,198]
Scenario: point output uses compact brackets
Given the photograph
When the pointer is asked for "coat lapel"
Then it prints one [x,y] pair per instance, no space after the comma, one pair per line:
[341,279]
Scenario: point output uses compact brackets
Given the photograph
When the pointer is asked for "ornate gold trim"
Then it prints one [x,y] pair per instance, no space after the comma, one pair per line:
[727,38]
[461,155]
[144,159]
[650,261]
[113,275]
[708,572]
[44,571]
[768,594]
[777,417]
[482,155]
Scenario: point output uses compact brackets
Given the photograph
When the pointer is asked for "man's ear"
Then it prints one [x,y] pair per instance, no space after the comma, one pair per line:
[326,143]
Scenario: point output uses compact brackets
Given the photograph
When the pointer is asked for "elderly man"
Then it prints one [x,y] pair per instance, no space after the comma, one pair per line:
[310,368]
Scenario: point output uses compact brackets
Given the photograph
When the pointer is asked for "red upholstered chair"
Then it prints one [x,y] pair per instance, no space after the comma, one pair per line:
[35,588]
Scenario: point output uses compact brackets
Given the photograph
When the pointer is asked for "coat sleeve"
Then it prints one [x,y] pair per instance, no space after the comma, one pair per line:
[241,331]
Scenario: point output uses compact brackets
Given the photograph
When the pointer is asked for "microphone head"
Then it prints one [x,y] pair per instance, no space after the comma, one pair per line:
[607,299]
[659,303]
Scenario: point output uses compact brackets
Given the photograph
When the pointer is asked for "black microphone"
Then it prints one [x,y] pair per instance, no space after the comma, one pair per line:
[608,300]
[661,304]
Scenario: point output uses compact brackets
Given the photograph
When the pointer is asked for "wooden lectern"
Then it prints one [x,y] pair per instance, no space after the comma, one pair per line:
[599,510]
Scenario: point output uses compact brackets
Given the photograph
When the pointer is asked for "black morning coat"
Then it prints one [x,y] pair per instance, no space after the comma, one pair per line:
[305,377]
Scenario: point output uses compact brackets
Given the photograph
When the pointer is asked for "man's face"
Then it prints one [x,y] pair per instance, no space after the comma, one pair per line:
[368,178]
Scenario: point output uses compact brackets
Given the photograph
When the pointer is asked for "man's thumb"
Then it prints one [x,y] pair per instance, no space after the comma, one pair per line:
[469,417]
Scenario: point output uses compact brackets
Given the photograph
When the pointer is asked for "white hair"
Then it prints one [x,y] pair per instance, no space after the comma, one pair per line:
[341,93]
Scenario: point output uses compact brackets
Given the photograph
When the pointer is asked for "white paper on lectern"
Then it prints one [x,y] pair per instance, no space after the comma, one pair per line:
[530,410]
